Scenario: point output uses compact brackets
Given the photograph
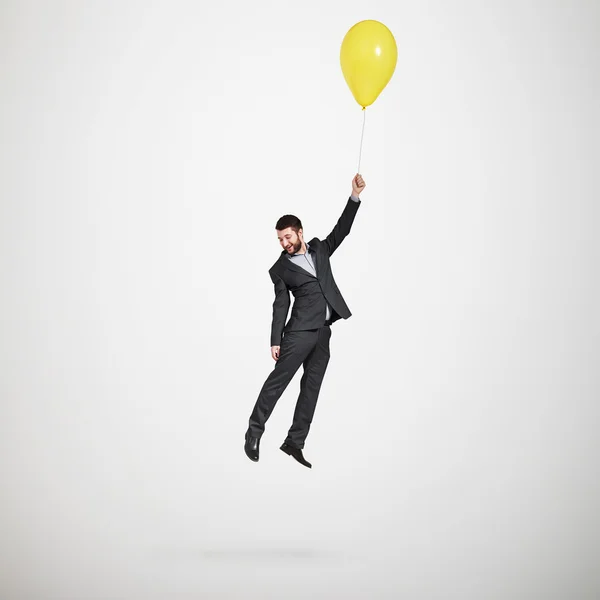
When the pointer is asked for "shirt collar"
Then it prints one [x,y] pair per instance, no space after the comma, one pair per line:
[296,254]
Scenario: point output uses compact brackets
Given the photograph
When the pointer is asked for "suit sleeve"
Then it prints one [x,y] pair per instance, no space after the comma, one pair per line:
[342,227]
[281,305]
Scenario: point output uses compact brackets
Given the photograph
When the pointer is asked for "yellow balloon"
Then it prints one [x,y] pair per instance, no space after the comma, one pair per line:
[368,58]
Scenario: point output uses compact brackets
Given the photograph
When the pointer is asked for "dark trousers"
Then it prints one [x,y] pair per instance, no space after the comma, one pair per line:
[307,348]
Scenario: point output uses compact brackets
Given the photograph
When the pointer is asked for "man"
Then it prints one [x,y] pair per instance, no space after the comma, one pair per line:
[303,268]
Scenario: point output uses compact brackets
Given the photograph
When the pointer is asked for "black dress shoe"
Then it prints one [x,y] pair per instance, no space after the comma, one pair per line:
[296,453]
[251,447]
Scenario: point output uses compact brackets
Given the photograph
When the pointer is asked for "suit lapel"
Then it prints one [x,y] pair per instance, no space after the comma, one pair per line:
[288,264]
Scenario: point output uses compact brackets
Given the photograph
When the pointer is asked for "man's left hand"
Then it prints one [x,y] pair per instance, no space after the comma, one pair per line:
[358,185]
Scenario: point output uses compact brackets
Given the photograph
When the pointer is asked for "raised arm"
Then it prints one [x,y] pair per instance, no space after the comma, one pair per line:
[344,224]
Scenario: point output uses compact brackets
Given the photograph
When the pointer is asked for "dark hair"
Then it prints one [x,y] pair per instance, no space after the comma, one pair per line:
[289,221]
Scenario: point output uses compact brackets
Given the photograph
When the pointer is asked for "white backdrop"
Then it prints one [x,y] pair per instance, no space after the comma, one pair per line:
[147,150]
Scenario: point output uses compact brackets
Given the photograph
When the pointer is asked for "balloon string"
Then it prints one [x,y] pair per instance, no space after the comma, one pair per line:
[361,138]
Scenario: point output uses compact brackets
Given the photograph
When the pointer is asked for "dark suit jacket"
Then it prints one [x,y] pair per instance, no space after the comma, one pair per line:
[310,292]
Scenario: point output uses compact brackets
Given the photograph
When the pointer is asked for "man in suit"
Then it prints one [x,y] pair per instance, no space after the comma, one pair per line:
[303,268]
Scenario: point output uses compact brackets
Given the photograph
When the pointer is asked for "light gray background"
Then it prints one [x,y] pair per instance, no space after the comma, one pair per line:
[147,150]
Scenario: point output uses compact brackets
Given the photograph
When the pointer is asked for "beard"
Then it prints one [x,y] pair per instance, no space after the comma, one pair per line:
[295,247]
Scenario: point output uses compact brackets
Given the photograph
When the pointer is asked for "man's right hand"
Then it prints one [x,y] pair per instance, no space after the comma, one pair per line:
[275,352]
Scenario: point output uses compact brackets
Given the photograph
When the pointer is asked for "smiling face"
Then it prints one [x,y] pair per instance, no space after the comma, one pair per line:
[290,241]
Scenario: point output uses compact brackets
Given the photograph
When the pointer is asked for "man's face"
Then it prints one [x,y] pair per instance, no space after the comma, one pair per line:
[290,241]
